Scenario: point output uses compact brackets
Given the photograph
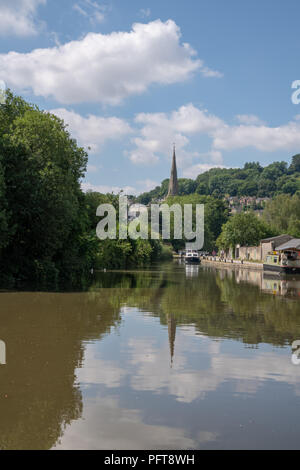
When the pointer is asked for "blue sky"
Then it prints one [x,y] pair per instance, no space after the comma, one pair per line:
[130,78]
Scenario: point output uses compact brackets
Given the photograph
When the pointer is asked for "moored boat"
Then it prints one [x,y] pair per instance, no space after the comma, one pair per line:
[286,258]
[192,257]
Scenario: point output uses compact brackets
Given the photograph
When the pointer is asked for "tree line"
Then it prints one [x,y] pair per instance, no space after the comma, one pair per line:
[252,180]
[47,223]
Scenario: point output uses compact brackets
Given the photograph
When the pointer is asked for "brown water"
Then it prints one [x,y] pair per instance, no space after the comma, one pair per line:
[170,357]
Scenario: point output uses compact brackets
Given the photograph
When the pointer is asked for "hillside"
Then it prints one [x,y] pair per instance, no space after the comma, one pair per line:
[253,181]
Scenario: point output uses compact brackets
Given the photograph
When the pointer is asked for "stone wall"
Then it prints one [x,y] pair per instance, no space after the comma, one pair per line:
[250,253]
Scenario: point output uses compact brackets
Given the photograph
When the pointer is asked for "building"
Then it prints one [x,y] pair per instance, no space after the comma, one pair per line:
[271,244]
[259,253]
[173,185]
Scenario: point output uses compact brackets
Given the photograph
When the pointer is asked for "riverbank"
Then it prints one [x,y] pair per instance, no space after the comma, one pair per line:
[232,263]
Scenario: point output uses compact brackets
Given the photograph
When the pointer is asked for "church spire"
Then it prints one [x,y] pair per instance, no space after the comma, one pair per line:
[173,185]
[171,333]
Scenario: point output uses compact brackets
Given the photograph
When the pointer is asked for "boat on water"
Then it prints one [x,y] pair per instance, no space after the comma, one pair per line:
[286,258]
[192,257]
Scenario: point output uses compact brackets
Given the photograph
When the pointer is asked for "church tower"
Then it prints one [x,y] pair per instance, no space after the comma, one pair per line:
[173,185]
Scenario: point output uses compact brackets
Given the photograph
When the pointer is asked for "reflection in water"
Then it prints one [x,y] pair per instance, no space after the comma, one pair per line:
[278,284]
[165,357]
[172,334]
[191,270]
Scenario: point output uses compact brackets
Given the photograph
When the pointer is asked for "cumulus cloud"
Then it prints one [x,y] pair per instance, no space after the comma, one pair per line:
[93,131]
[159,130]
[104,68]
[264,138]
[18,17]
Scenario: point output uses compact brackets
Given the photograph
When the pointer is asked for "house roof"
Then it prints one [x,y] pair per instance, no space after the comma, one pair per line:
[293,244]
[278,237]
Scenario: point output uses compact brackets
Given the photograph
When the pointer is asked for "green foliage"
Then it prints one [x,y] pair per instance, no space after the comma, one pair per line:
[95,199]
[42,217]
[126,253]
[47,224]
[243,229]
[215,215]
[166,253]
[3,212]
[252,180]
[295,165]
[185,186]
[283,214]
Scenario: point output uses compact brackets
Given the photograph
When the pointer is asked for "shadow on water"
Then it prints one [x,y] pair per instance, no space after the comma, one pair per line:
[46,334]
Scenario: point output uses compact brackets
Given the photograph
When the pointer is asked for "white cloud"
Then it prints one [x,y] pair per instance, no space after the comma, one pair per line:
[159,130]
[142,186]
[264,138]
[92,10]
[209,73]
[195,170]
[147,185]
[145,12]
[18,17]
[104,68]
[104,189]
[93,131]
[249,119]
[93,168]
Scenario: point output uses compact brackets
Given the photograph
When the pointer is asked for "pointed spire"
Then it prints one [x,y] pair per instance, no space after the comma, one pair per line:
[173,185]
[172,333]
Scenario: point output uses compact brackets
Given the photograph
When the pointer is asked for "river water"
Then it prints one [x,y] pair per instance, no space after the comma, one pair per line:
[168,357]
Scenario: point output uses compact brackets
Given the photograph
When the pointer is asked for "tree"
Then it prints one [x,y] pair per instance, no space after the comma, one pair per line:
[186,186]
[295,165]
[42,167]
[3,212]
[252,180]
[283,213]
[244,229]
[215,215]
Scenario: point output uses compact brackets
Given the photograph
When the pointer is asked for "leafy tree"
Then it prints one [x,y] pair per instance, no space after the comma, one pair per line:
[252,180]
[42,167]
[274,170]
[243,229]
[295,165]
[186,186]
[215,213]
[3,212]
[94,199]
[283,214]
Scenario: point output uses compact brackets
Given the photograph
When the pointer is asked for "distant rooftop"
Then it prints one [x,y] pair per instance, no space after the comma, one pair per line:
[293,244]
[278,237]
